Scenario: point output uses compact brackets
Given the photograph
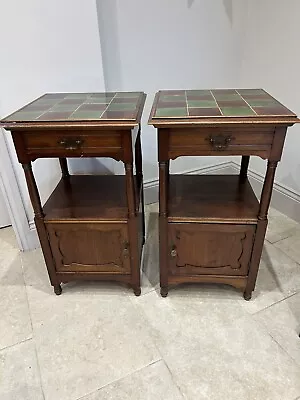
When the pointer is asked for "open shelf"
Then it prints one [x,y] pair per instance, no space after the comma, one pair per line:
[88,198]
[211,198]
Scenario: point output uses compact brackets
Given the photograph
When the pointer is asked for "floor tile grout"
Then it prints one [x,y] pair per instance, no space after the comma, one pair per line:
[32,330]
[119,379]
[173,378]
[16,344]
[276,302]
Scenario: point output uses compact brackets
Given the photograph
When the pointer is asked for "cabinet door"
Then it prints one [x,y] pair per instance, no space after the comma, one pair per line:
[84,247]
[210,249]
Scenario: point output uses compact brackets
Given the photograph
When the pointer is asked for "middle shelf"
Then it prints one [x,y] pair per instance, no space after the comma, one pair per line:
[211,199]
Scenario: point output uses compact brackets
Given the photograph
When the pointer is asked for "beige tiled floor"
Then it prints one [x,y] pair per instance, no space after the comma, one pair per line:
[98,341]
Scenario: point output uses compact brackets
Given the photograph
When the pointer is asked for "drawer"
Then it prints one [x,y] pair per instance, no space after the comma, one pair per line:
[210,249]
[223,140]
[90,247]
[72,144]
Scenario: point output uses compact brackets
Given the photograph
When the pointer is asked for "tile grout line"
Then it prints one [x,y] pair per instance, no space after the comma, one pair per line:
[216,102]
[15,344]
[277,302]
[186,102]
[173,378]
[117,380]
[35,349]
[246,102]
[265,329]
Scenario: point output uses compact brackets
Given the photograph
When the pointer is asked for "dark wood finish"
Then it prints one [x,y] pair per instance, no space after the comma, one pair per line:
[244,168]
[107,244]
[74,143]
[211,199]
[82,198]
[217,140]
[91,227]
[212,228]
[64,167]
[210,249]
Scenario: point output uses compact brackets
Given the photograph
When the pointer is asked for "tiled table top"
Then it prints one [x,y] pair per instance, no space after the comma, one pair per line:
[80,107]
[183,104]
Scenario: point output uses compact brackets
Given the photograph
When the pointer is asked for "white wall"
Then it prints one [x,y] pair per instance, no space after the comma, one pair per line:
[47,46]
[272,60]
[170,44]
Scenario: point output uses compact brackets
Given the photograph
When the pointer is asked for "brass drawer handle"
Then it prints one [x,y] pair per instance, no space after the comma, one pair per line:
[70,143]
[220,142]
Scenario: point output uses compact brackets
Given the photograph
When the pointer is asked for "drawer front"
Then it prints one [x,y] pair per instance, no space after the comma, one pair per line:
[216,141]
[83,247]
[72,144]
[210,249]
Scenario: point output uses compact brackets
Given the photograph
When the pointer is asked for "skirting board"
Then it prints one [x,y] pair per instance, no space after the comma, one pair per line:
[284,199]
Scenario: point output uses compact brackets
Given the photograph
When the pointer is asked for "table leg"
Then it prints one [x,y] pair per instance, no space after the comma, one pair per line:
[261,228]
[64,167]
[244,168]
[40,226]
[139,173]
[163,226]
[133,230]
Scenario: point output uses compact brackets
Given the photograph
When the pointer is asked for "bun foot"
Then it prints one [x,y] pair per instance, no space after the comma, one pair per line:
[57,290]
[137,291]
[247,296]
[164,291]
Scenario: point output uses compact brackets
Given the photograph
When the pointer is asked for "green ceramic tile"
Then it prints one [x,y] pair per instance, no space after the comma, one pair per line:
[134,95]
[253,92]
[99,100]
[171,112]
[196,93]
[83,106]
[55,116]
[84,115]
[237,111]
[262,103]
[173,98]
[25,116]
[227,97]
[204,112]
[64,107]
[46,101]
[79,96]
[115,115]
[202,103]
[122,106]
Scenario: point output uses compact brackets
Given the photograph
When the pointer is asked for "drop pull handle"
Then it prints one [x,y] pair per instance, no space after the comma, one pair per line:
[70,143]
[220,142]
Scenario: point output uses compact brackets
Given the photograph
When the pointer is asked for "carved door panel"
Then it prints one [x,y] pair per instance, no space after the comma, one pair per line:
[85,247]
[210,249]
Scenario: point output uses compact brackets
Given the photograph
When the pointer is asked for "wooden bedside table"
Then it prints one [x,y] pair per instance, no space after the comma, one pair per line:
[212,228]
[91,227]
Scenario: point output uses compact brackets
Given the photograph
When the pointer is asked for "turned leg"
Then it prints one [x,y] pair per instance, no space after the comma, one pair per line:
[133,230]
[261,228]
[40,225]
[64,167]
[163,226]
[244,168]
[139,174]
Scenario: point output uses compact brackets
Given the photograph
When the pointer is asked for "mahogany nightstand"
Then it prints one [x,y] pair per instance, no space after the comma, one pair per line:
[212,228]
[91,227]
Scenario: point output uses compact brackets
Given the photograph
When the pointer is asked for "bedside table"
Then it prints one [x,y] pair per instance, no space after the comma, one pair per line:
[212,228]
[91,227]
